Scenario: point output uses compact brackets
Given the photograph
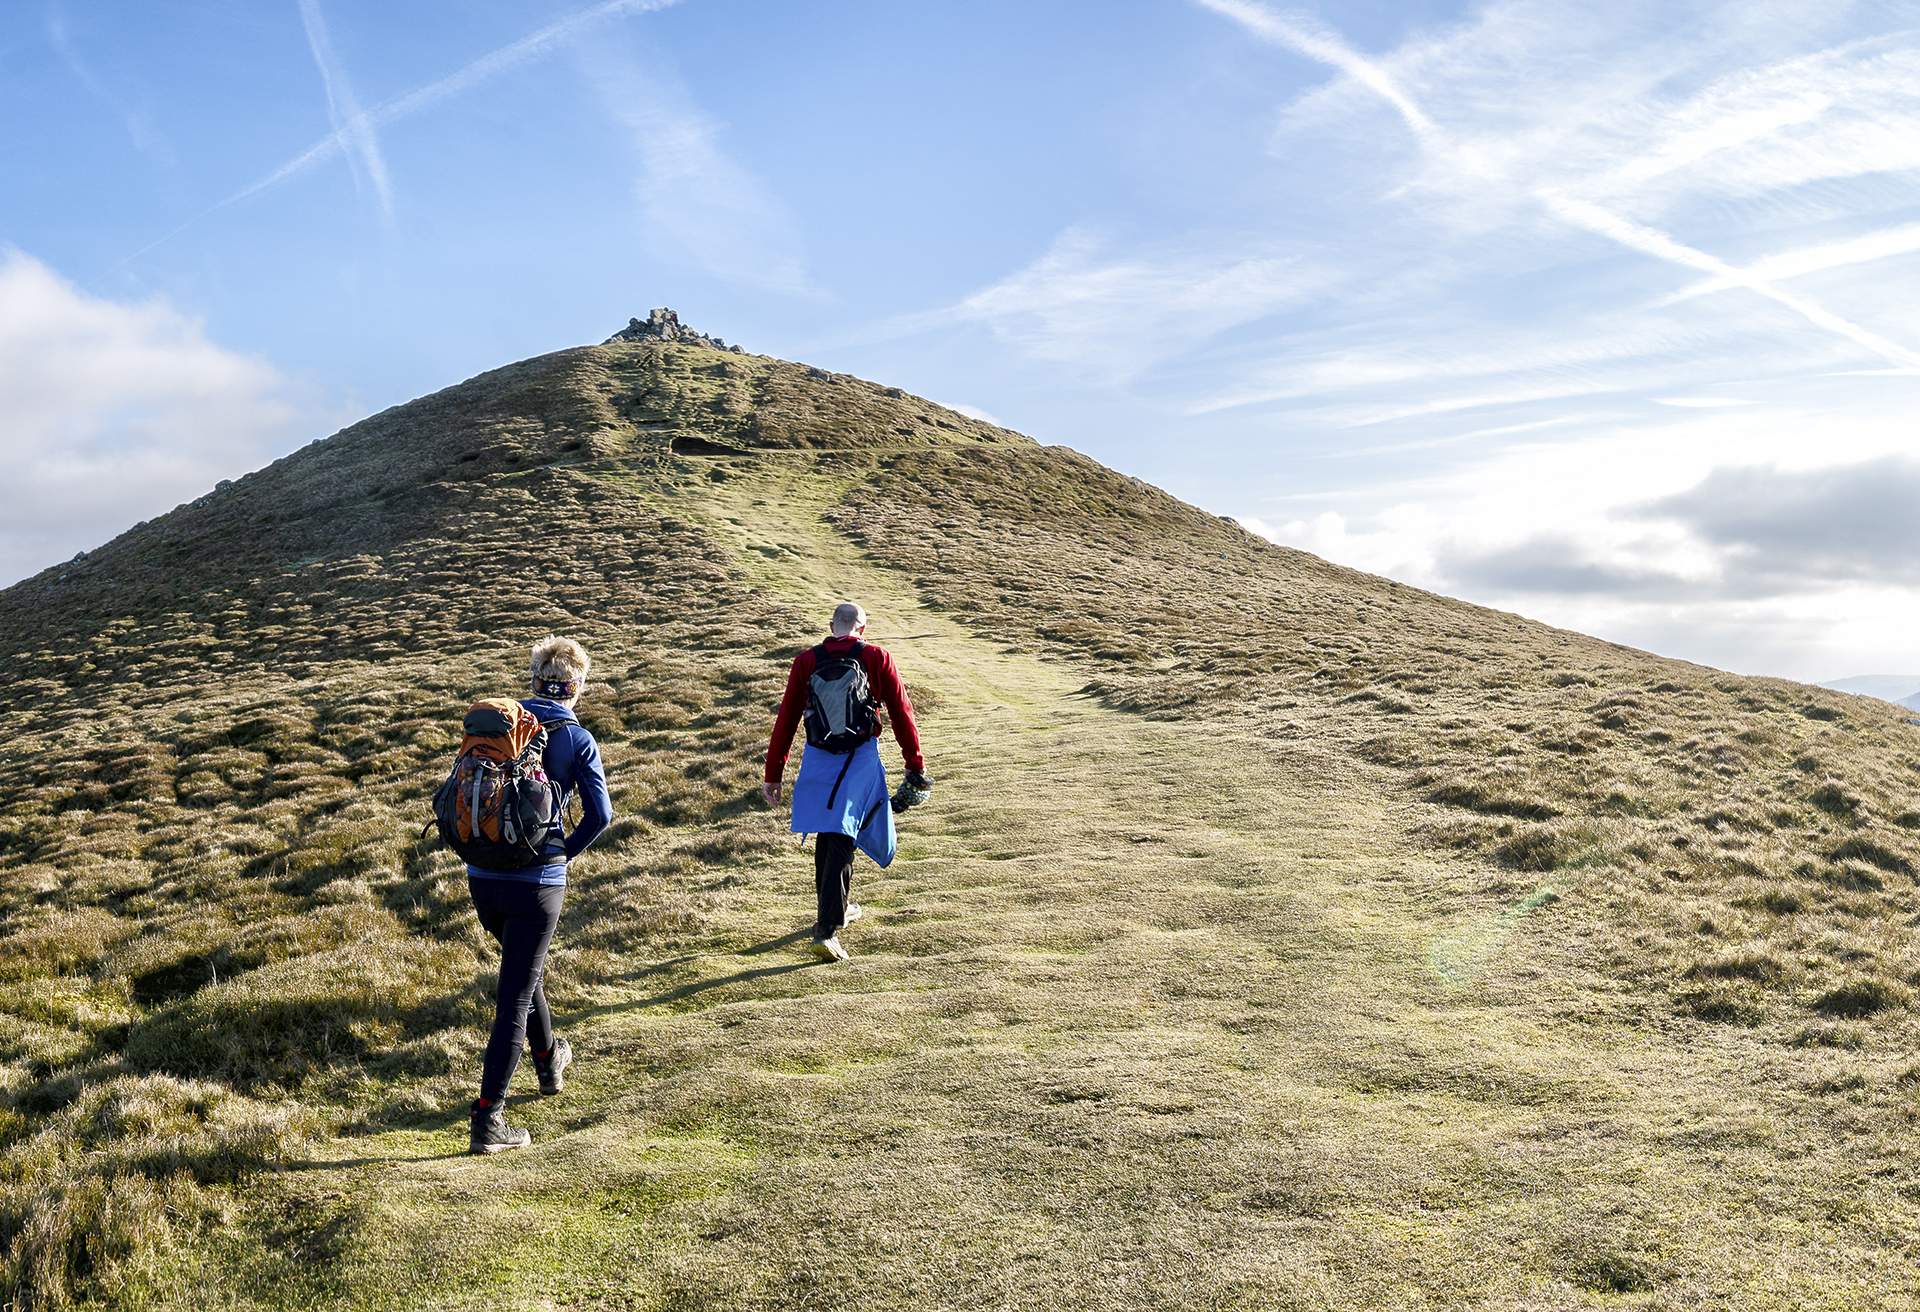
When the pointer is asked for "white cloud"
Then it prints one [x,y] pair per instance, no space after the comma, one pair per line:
[146,138]
[975,412]
[1115,313]
[695,200]
[1464,164]
[117,412]
[1682,536]
[1742,145]
[1383,548]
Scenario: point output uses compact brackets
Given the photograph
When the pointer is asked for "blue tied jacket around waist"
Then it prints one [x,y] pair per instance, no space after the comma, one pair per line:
[572,760]
[846,793]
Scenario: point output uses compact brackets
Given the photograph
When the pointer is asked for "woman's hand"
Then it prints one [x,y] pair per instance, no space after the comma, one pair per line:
[771,791]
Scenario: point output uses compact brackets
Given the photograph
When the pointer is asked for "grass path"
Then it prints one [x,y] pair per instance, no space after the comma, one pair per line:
[1144,1015]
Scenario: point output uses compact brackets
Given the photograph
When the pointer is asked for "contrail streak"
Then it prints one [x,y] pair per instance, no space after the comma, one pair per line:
[1649,241]
[350,126]
[1303,38]
[531,46]
[1316,43]
[1886,244]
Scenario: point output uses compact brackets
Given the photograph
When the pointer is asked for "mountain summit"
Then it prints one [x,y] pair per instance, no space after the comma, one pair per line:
[1348,933]
[663,325]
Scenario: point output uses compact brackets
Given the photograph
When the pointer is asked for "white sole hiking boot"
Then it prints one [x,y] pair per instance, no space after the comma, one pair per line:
[553,1073]
[489,1132]
[829,949]
[853,912]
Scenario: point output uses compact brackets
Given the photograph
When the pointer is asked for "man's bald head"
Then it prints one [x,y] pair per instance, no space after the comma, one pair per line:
[848,618]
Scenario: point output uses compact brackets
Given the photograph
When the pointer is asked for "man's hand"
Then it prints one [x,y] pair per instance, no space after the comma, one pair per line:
[771,791]
[913,790]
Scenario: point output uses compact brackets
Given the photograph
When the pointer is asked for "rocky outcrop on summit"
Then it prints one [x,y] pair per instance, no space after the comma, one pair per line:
[663,325]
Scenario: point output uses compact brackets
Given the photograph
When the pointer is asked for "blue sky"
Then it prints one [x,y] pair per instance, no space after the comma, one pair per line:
[1598,313]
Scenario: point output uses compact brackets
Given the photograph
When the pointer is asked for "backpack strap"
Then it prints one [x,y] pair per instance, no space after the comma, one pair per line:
[564,717]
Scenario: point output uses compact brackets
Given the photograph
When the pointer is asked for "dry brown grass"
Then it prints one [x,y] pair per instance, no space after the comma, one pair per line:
[1687,814]
[222,942]
[230,720]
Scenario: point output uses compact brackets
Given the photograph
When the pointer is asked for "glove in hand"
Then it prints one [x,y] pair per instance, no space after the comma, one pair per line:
[913,790]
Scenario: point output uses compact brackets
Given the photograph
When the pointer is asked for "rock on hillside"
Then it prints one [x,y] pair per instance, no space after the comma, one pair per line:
[663,325]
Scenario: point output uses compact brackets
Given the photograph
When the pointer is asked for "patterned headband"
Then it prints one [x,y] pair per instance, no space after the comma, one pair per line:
[557,688]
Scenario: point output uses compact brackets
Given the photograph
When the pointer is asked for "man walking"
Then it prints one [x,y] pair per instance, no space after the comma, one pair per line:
[837,689]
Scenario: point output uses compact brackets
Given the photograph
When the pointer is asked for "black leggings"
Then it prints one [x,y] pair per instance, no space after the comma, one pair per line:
[832,881]
[521,916]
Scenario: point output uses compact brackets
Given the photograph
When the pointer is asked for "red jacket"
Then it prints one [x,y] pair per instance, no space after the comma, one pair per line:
[882,677]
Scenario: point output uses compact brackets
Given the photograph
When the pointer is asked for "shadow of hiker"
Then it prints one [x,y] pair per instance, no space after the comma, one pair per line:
[694,988]
[785,940]
[346,1163]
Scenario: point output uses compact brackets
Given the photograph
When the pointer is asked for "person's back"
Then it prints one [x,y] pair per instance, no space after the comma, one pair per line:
[521,908]
[840,796]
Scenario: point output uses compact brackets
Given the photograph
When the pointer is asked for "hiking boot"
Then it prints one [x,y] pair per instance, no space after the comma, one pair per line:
[853,912]
[553,1071]
[491,1133]
[829,949]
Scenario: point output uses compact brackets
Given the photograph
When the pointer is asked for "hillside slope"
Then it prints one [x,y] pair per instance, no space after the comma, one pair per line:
[1389,950]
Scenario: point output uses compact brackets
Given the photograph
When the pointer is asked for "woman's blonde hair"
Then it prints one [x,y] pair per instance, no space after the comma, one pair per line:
[560,667]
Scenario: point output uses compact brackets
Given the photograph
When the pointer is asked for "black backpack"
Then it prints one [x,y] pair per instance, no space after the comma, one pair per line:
[841,712]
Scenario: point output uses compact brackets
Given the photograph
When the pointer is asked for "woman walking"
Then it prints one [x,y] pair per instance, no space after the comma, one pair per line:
[520,907]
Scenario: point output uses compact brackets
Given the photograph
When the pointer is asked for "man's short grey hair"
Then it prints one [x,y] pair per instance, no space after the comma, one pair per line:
[847,617]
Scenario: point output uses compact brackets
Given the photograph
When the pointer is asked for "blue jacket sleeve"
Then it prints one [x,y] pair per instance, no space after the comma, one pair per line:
[596,807]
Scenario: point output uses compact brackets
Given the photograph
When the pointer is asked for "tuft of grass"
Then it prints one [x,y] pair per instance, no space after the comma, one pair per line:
[1836,799]
[1860,997]
[1538,849]
[1492,799]
[1740,963]
[1858,847]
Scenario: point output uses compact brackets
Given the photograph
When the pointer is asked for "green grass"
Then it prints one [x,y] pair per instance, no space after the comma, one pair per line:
[1456,962]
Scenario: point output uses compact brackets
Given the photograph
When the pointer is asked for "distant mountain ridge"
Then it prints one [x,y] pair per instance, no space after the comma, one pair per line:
[1901,689]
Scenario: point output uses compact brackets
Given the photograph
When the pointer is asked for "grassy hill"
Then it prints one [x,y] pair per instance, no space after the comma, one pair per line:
[1279,935]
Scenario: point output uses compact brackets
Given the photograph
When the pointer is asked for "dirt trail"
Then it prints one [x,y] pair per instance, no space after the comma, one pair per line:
[1144,1015]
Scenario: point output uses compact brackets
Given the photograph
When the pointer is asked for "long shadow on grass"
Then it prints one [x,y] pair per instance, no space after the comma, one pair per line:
[785,940]
[693,989]
[346,1163]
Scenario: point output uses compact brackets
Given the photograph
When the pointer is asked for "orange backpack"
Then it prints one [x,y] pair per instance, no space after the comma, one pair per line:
[498,809]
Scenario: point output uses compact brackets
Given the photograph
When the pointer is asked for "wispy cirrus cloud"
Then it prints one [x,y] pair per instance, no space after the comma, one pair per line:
[1867,248]
[140,128]
[1113,312]
[1476,168]
[1700,465]
[1110,311]
[695,200]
